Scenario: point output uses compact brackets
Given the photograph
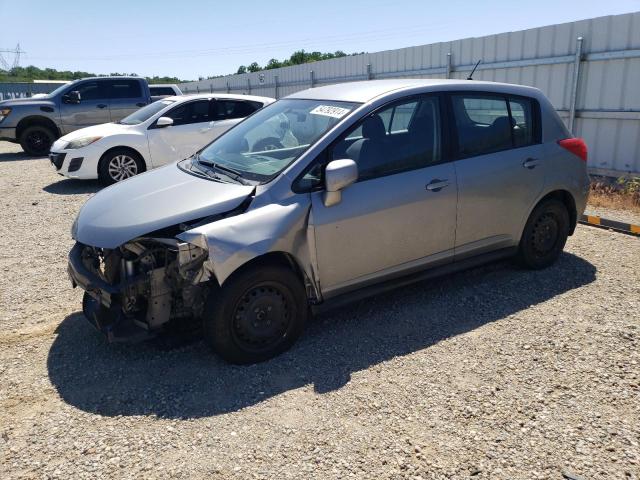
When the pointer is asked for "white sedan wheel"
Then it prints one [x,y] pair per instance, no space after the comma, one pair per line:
[122,167]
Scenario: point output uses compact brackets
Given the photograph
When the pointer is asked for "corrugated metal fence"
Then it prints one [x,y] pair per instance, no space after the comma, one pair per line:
[589,69]
[23,89]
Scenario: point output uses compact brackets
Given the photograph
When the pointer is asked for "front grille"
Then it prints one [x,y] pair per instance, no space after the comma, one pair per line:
[57,159]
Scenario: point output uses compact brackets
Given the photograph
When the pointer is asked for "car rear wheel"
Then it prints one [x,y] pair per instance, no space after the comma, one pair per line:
[118,165]
[37,140]
[258,314]
[545,235]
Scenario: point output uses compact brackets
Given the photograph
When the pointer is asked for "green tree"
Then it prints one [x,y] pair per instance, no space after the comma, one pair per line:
[254,67]
[273,63]
[242,69]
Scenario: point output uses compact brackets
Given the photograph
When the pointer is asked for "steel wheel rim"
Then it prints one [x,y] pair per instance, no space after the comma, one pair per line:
[545,234]
[122,167]
[262,317]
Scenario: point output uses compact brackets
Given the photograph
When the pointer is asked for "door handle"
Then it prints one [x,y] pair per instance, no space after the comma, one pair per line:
[101,105]
[140,104]
[436,185]
[531,163]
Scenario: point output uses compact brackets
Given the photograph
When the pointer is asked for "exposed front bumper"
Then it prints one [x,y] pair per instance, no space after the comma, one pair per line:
[101,303]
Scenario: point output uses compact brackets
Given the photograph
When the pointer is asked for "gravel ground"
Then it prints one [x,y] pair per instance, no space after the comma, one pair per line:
[493,373]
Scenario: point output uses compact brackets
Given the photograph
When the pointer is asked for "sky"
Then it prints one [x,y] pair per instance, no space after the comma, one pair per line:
[196,38]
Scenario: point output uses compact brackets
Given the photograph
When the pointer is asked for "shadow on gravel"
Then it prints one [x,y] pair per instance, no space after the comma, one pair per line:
[70,186]
[191,382]
[17,156]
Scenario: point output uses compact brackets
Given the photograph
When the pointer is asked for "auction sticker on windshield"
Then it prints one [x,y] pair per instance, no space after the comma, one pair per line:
[329,111]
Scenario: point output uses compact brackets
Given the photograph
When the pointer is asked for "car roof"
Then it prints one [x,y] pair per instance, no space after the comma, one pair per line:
[116,77]
[229,96]
[365,91]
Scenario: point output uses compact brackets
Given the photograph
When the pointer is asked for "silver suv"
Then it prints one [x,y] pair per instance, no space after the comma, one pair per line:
[330,194]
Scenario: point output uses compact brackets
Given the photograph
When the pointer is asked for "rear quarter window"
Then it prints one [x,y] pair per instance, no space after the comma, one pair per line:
[492,122]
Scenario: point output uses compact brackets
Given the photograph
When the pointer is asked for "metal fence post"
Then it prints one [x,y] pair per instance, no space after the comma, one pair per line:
[369,72]
[448,74]
[574,85]
[311,78]
[276,87]
[228,87]
[249,85]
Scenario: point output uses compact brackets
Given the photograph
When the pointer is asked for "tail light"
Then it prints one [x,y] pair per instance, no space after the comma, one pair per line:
[575,146]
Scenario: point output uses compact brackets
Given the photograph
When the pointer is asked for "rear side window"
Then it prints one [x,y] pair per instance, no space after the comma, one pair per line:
[487,123]
[191,112]
[162,91]
[125,89]
[523,123]
[228,109]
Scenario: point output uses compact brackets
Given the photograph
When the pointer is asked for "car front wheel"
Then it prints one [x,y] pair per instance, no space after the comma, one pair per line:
[119,164]
[258,314]
[545,235]
[36,140]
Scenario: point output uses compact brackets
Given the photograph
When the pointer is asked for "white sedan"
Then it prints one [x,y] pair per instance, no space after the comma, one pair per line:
[165,131]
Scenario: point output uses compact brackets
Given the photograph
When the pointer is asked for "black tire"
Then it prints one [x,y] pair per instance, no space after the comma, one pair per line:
[258,314]
[36,140]
[545,235]
[119,164]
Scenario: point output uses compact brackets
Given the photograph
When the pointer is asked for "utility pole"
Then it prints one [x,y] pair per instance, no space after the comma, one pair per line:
[16,58]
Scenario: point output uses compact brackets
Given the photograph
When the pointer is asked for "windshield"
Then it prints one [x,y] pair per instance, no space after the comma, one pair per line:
[264,144]
[145,113]
[61,88]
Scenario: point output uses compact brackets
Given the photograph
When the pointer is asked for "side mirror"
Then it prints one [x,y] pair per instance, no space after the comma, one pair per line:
[338,175]
[164,122]
[72,97]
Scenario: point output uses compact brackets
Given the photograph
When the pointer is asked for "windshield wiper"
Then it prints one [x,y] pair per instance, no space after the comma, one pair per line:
[226,171]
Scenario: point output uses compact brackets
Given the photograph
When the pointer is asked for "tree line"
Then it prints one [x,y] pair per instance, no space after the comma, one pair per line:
[31,73]
[297,58]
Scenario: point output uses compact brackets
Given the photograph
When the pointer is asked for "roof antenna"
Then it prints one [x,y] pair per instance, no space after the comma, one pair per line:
[470,77]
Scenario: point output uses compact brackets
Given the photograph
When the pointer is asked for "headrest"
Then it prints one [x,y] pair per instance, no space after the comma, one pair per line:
[373,127]
[503,122]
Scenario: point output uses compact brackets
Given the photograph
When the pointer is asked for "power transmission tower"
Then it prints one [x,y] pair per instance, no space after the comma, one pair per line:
[16,58]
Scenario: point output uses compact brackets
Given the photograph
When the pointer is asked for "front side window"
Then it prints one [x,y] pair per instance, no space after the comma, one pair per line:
[145,113]
[190,112]
[260,147]
[124,89]
[401,137]
[91,90]
[488,123]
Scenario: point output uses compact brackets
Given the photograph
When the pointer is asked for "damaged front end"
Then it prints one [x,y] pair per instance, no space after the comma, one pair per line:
[138,289]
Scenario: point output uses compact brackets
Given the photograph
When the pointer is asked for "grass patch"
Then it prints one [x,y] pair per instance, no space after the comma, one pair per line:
[620,194]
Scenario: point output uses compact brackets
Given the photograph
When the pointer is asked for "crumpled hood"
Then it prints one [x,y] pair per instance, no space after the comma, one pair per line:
[157,199]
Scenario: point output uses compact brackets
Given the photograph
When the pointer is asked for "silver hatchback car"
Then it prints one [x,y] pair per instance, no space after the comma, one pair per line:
[330,194]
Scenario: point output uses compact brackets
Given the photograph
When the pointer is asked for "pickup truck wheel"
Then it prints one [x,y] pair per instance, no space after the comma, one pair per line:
[545,235]
[257,315]
[37,140]
[119,164]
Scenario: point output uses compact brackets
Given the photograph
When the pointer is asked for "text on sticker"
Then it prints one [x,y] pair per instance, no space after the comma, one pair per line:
[329,111]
